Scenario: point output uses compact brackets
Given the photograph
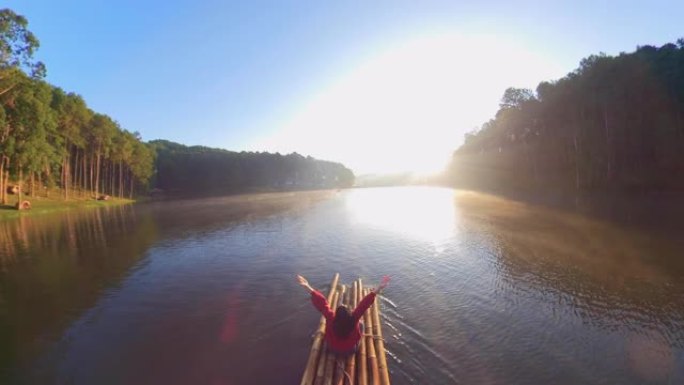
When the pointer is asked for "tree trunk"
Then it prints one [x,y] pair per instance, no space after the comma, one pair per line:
[20,181]
[65,170]
[120,179]
[74,177]
[103,178]
[39,181]
[2,179]
[92,173]
[66,178]
[48,178]
[6,180]
[577,157]
[97,174]
[84,170]
[609,147]
[112,179]
[108,181]
[130,179]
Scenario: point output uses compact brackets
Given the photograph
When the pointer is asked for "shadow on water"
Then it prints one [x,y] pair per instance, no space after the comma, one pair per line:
[185,217]
[52,267]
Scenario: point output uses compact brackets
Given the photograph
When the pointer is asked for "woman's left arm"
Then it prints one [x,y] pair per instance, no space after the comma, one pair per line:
[318,300]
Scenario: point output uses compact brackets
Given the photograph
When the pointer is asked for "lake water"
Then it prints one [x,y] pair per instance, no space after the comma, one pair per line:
[484,290]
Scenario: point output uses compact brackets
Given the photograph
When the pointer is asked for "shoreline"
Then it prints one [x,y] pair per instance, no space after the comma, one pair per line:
[43,206]
[656,210]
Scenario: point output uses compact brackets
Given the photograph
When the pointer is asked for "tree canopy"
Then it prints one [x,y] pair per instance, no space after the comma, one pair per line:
[615,123]
[17,43]
[50,137]
[202,170]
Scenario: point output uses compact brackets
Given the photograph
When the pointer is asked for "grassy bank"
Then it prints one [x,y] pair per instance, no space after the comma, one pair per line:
[41,205]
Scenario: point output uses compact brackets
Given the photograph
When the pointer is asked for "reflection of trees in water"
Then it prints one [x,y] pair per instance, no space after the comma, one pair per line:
[203,215]
[54,267]
[611,277]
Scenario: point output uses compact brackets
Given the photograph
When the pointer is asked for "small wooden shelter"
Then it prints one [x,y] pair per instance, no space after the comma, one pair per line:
[13,189]
[23,205]
[368,366]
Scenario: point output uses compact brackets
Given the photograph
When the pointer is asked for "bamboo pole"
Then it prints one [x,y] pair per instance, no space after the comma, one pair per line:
[323,359]
[380,344]
[370,346]
[362,362]
[307,377]
[337,372]
[350,367]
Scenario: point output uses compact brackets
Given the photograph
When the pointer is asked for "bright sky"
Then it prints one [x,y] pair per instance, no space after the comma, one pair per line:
[380,86]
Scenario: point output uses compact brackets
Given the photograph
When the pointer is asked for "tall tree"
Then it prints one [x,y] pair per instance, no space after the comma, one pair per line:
[17,46]
[72,116]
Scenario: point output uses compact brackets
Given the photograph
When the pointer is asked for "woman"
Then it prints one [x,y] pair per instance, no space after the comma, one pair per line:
[342,328]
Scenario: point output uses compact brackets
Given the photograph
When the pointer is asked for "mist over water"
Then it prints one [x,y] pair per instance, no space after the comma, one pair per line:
[484,290]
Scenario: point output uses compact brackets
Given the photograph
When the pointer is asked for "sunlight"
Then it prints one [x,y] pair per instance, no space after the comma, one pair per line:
[425,213]
[407,108]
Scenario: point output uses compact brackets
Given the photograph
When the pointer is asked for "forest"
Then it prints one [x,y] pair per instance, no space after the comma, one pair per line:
[50,138]
[198,170]
[615,124]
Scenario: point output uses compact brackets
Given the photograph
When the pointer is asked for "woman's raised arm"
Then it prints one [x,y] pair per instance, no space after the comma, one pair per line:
[382,285]
[304,283]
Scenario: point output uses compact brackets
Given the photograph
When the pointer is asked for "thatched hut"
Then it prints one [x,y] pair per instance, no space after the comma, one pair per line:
[13,189]
[23,205]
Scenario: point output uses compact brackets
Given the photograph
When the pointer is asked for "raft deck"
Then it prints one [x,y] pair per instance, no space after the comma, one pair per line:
[368,366]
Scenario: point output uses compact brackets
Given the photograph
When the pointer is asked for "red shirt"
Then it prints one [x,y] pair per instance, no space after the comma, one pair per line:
[334,342]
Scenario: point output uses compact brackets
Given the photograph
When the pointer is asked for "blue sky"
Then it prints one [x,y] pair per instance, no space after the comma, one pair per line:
[285,76]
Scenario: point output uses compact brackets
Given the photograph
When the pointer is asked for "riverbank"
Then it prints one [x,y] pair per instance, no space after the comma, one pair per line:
[174,195]
[655,211]
[42,205]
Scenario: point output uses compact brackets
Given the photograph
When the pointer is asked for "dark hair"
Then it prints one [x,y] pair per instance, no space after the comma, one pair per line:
[343,323]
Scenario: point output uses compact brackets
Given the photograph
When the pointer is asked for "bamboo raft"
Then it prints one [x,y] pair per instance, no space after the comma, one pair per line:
[368,366]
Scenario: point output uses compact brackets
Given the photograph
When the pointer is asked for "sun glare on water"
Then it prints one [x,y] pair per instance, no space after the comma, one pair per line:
[407,108]
[423,213]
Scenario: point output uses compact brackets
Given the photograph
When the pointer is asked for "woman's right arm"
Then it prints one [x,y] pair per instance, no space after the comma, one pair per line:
[368,300]
[382,285]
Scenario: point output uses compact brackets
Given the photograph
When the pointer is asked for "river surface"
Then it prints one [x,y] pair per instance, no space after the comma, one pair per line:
[484,290]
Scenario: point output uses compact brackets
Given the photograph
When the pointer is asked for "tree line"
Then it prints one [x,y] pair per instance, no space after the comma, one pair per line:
[616,123]
[199,170]
[50,138]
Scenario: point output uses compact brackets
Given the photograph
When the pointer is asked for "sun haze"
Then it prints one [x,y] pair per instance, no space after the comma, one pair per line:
[404,108]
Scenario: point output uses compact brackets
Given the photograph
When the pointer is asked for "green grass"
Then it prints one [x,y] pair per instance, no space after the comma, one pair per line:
[42,205]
